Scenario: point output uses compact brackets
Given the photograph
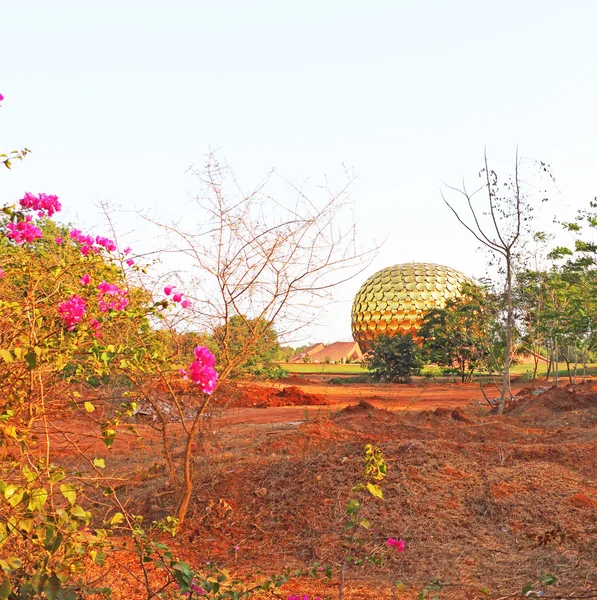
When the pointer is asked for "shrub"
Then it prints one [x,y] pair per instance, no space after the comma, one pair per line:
[394,358]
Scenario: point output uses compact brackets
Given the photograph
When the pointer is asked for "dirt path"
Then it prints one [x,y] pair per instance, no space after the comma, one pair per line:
[393,397]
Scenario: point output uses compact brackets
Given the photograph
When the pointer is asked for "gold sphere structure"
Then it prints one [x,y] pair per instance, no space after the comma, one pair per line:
[394,300]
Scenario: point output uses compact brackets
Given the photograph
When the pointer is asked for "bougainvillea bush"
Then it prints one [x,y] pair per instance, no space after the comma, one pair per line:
[68,319]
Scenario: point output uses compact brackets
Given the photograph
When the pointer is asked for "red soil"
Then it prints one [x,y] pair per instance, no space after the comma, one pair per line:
[480,500]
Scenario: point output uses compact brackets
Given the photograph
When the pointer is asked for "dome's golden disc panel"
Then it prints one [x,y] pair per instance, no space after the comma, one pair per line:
[395,299]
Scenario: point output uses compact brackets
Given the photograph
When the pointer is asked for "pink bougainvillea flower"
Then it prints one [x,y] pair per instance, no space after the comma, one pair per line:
[109,245]
[23,231]
[108,288]
[197,589]
[168,289]
[44,204]
[177,297]
[127,250]
[58,240]
[201,371]
[119,297]
[299,597]
[185,304]
[1,97]
[204,356]
[85,279]
[96,326]
[130,262]
[394,543]
[2,274]
[205,377]
[72,311]
[92,244]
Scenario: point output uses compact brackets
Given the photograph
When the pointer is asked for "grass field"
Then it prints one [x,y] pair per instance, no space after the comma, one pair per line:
[563,372]
[356,369]
[315,368]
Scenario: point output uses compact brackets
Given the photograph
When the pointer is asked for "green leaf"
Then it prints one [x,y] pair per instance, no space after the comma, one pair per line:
[526,588]
[6,355]
[5,588]
[353,506]
[31,359]
[374,490]
[8,490]
[53,542]
[89,407]
[57,476]
[548,580]
[78,511]
[99,463]
[25,525]
[15,496]
[69,492]
[117,519]
[52,587]
[108,436]
[12,563]
[37,499]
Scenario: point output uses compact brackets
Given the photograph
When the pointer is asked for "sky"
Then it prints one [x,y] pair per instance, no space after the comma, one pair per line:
[118,99]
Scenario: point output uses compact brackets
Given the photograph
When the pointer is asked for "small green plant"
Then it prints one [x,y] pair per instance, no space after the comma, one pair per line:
[430,590]
[374,473]
[526,376]
[532,590]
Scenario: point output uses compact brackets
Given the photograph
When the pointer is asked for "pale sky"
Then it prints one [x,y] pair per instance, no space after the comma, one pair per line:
[117,99]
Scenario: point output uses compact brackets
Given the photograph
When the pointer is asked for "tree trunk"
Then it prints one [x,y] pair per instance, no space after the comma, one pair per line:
[556,373]
[509,325]
[569,371]
[550,363]
[187,463]
[536,366]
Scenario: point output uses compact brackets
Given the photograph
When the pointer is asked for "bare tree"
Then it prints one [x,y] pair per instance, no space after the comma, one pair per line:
[500,224]
[264,258]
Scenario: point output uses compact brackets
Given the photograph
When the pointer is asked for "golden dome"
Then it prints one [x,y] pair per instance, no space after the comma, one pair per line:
[395,299]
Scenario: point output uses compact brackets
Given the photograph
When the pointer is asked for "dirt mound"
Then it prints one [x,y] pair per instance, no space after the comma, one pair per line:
[361,406]
[473,501]
[470,501]
[261,396]
[546,404]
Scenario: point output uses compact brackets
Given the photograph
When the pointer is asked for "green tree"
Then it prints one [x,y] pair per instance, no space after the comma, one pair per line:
[394,358]
[463,332]
[501,224]
[251,345]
